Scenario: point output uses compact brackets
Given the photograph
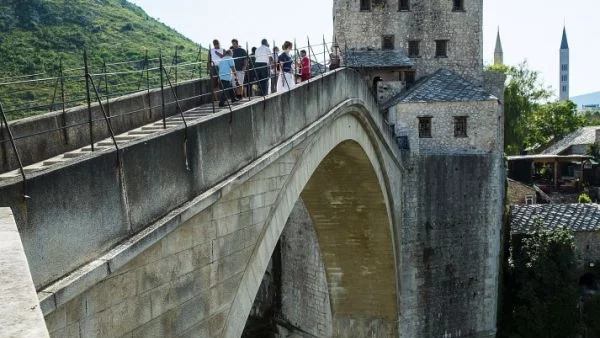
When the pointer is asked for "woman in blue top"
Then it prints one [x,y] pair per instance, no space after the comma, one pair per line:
[286,78]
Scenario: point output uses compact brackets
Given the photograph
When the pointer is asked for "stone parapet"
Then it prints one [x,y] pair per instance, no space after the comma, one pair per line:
[20,314]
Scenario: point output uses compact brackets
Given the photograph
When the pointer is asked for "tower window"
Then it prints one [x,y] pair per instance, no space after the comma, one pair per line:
[387,42]
[441,48]
[413,48]
[409,78]
[460,126]
[458,5]
[365,5]
[404,5]
[564,88]
[425,127]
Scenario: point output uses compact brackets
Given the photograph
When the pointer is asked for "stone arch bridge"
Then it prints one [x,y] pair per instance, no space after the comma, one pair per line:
[294,213]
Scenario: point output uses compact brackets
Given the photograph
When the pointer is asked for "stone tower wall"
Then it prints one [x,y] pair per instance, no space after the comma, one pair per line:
[426,21]
[564,60]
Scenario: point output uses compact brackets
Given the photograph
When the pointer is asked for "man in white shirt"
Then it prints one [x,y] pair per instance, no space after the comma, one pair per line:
[215,55]
[264,59]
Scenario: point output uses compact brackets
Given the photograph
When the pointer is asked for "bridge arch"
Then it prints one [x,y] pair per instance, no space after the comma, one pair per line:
[341,178]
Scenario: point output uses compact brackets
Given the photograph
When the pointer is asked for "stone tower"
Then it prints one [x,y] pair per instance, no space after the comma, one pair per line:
[434,34]
[498,54]
[564,67]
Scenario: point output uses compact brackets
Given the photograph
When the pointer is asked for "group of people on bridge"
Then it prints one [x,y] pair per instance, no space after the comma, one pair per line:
[234,72]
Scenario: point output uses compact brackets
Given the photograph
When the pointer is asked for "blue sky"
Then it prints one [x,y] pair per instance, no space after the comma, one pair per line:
[530,29]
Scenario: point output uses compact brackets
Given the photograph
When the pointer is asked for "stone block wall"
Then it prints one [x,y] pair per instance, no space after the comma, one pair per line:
[388,89]
[451,246]
[184,284]
[588,246]
[484,131]
[305,298]
[426,21]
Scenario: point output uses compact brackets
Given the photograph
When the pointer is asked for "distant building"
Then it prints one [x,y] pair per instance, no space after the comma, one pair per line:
[587,102]
[564,67]
[582,219]
[575,143]
[498,54]
[519,193]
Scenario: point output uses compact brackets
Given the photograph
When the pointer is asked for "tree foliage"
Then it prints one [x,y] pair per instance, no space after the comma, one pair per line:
[540,295]
[584,198]
[551,122]
[36,36]
[523,93]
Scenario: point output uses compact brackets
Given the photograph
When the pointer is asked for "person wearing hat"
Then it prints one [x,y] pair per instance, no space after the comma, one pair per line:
[262,64]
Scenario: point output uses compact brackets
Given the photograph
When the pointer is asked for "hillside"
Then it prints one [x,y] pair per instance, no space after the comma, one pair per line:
[586,99]
[36,35]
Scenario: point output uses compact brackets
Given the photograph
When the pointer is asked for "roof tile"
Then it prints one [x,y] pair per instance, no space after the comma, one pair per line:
[442,86]
[376,59]
[575,217]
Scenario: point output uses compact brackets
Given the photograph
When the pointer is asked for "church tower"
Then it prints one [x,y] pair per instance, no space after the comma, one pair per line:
[564,67]
[430,34]
[498,54]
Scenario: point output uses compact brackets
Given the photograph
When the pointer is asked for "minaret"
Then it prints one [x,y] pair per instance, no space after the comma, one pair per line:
[564,67]
[498,54]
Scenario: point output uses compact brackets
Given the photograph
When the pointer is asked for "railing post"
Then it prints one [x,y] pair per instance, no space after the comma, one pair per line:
[146,61]
[247,77]
[310,50]
[326,52]
[54,94]
[295,65]
[275,70]
[176,63]
[62,99]
[87,93]
[324,55]
[212,78]
[162,92]
[106,89]
[14,147]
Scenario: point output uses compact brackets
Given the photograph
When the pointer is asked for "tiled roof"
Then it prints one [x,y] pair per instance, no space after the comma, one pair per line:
[317,68]
[585,135]
[442,86]
[576,217]
[376,59]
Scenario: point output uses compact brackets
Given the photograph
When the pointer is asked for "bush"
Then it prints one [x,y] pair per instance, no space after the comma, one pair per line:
[591,314]
[584,198]
[127,27]
[540,292]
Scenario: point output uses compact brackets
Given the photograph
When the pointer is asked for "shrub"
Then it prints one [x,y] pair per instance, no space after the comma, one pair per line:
[584,198]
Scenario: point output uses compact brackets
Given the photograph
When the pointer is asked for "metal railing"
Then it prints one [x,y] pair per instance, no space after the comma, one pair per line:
[99,83]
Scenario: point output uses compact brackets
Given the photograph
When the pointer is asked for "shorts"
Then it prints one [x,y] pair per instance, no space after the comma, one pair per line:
[240,76]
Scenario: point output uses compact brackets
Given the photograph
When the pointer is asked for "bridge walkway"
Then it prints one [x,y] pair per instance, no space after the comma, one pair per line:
[174,121]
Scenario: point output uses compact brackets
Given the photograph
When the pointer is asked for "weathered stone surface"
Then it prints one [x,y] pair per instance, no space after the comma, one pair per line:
[373,208]
[425,21]
[483,133]
[20,314]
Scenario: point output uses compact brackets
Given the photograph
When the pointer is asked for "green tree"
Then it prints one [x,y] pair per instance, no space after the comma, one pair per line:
[551,122]
[523,93]
[541,291]
[592,117]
